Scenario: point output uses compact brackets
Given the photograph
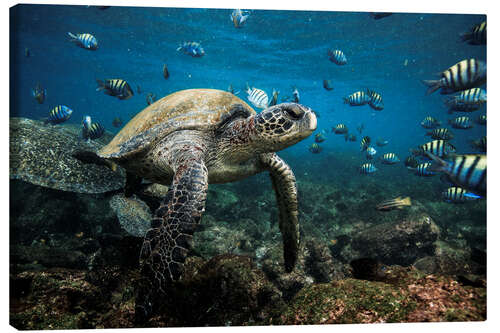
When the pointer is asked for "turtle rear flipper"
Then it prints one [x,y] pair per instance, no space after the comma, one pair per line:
[285,188]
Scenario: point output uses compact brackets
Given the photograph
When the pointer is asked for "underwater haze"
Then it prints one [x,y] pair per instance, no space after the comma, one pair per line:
[280,50]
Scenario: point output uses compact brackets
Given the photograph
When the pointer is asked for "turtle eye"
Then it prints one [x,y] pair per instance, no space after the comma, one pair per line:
[294,113]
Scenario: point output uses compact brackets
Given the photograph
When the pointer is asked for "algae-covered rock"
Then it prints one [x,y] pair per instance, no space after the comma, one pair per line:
[398,242]
[42,154]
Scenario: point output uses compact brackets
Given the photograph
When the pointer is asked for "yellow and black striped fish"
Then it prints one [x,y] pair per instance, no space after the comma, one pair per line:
[315,148]
[340,129]
[461,122]
[367,168]
[375,100]
[357,99]
[85,41]
[91,130]
[437,147]
[441,134]
[479,144]
[422,169]
[115,87]
[476,36]
[430,122]
[467,101]
[389,158]
[458,195]
[59,114]
[481,120]
[467,171]
[338,57]
[365,143]
[466,74]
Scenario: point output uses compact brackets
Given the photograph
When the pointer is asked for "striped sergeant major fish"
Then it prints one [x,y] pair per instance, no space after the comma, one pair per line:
[389,158]
[193,49]
[430,122]
[367,168]
[59,114]
[257,97]
[458,195]
[115,87]
[315,148]
[91,130]
[476,35]
[365,143]
[481,120]
[375,100]
[440,134]
[370,152]
[479,144]
[422,170]
[238,18]
[461,123]
[338,57]
[85,41]
[467,101]
[437,147]
[466,74]
[357,99]
[340,129]
[467,171]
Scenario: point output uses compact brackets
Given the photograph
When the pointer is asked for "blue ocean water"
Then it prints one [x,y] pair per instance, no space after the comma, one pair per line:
[277,49]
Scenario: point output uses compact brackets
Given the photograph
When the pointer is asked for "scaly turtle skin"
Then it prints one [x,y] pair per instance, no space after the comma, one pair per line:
[195,137]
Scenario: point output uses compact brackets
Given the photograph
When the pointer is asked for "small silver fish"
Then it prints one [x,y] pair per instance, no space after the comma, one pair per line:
[257,97]
[238,18]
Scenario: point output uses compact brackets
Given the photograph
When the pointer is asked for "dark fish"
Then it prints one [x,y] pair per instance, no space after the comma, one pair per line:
[274,99]
[375,102]
[378,16]
[357,99]
[440,134]
[315,148]
[350,137]
[461,123]
[85,41]
[411,162]
[368,269]
[397,203]
[464,75]
[381,142]
[115,87]
[479,144]
[27,52]
[367,168]
[437,147]
[430,122]
[117,122]
[103,7]
[150,98]
[467,171]
[139,90]
[458,195]
[166,74]
[360,128]
[319,137]
[39,93]
[476,36]
[467,101]
[365,143]
[389,158]
[327,85]
[340,129]
[481,120]
[296,95]
[193,49]
[59,114]
[338,57]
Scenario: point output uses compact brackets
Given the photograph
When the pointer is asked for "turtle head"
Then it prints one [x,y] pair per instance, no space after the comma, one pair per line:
[283,125]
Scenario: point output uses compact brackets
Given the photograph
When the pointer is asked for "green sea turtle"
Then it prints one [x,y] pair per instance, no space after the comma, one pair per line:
[194,137]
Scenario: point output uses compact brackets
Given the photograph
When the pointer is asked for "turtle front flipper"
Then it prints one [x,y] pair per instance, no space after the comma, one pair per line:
[285,187]
[167,244]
